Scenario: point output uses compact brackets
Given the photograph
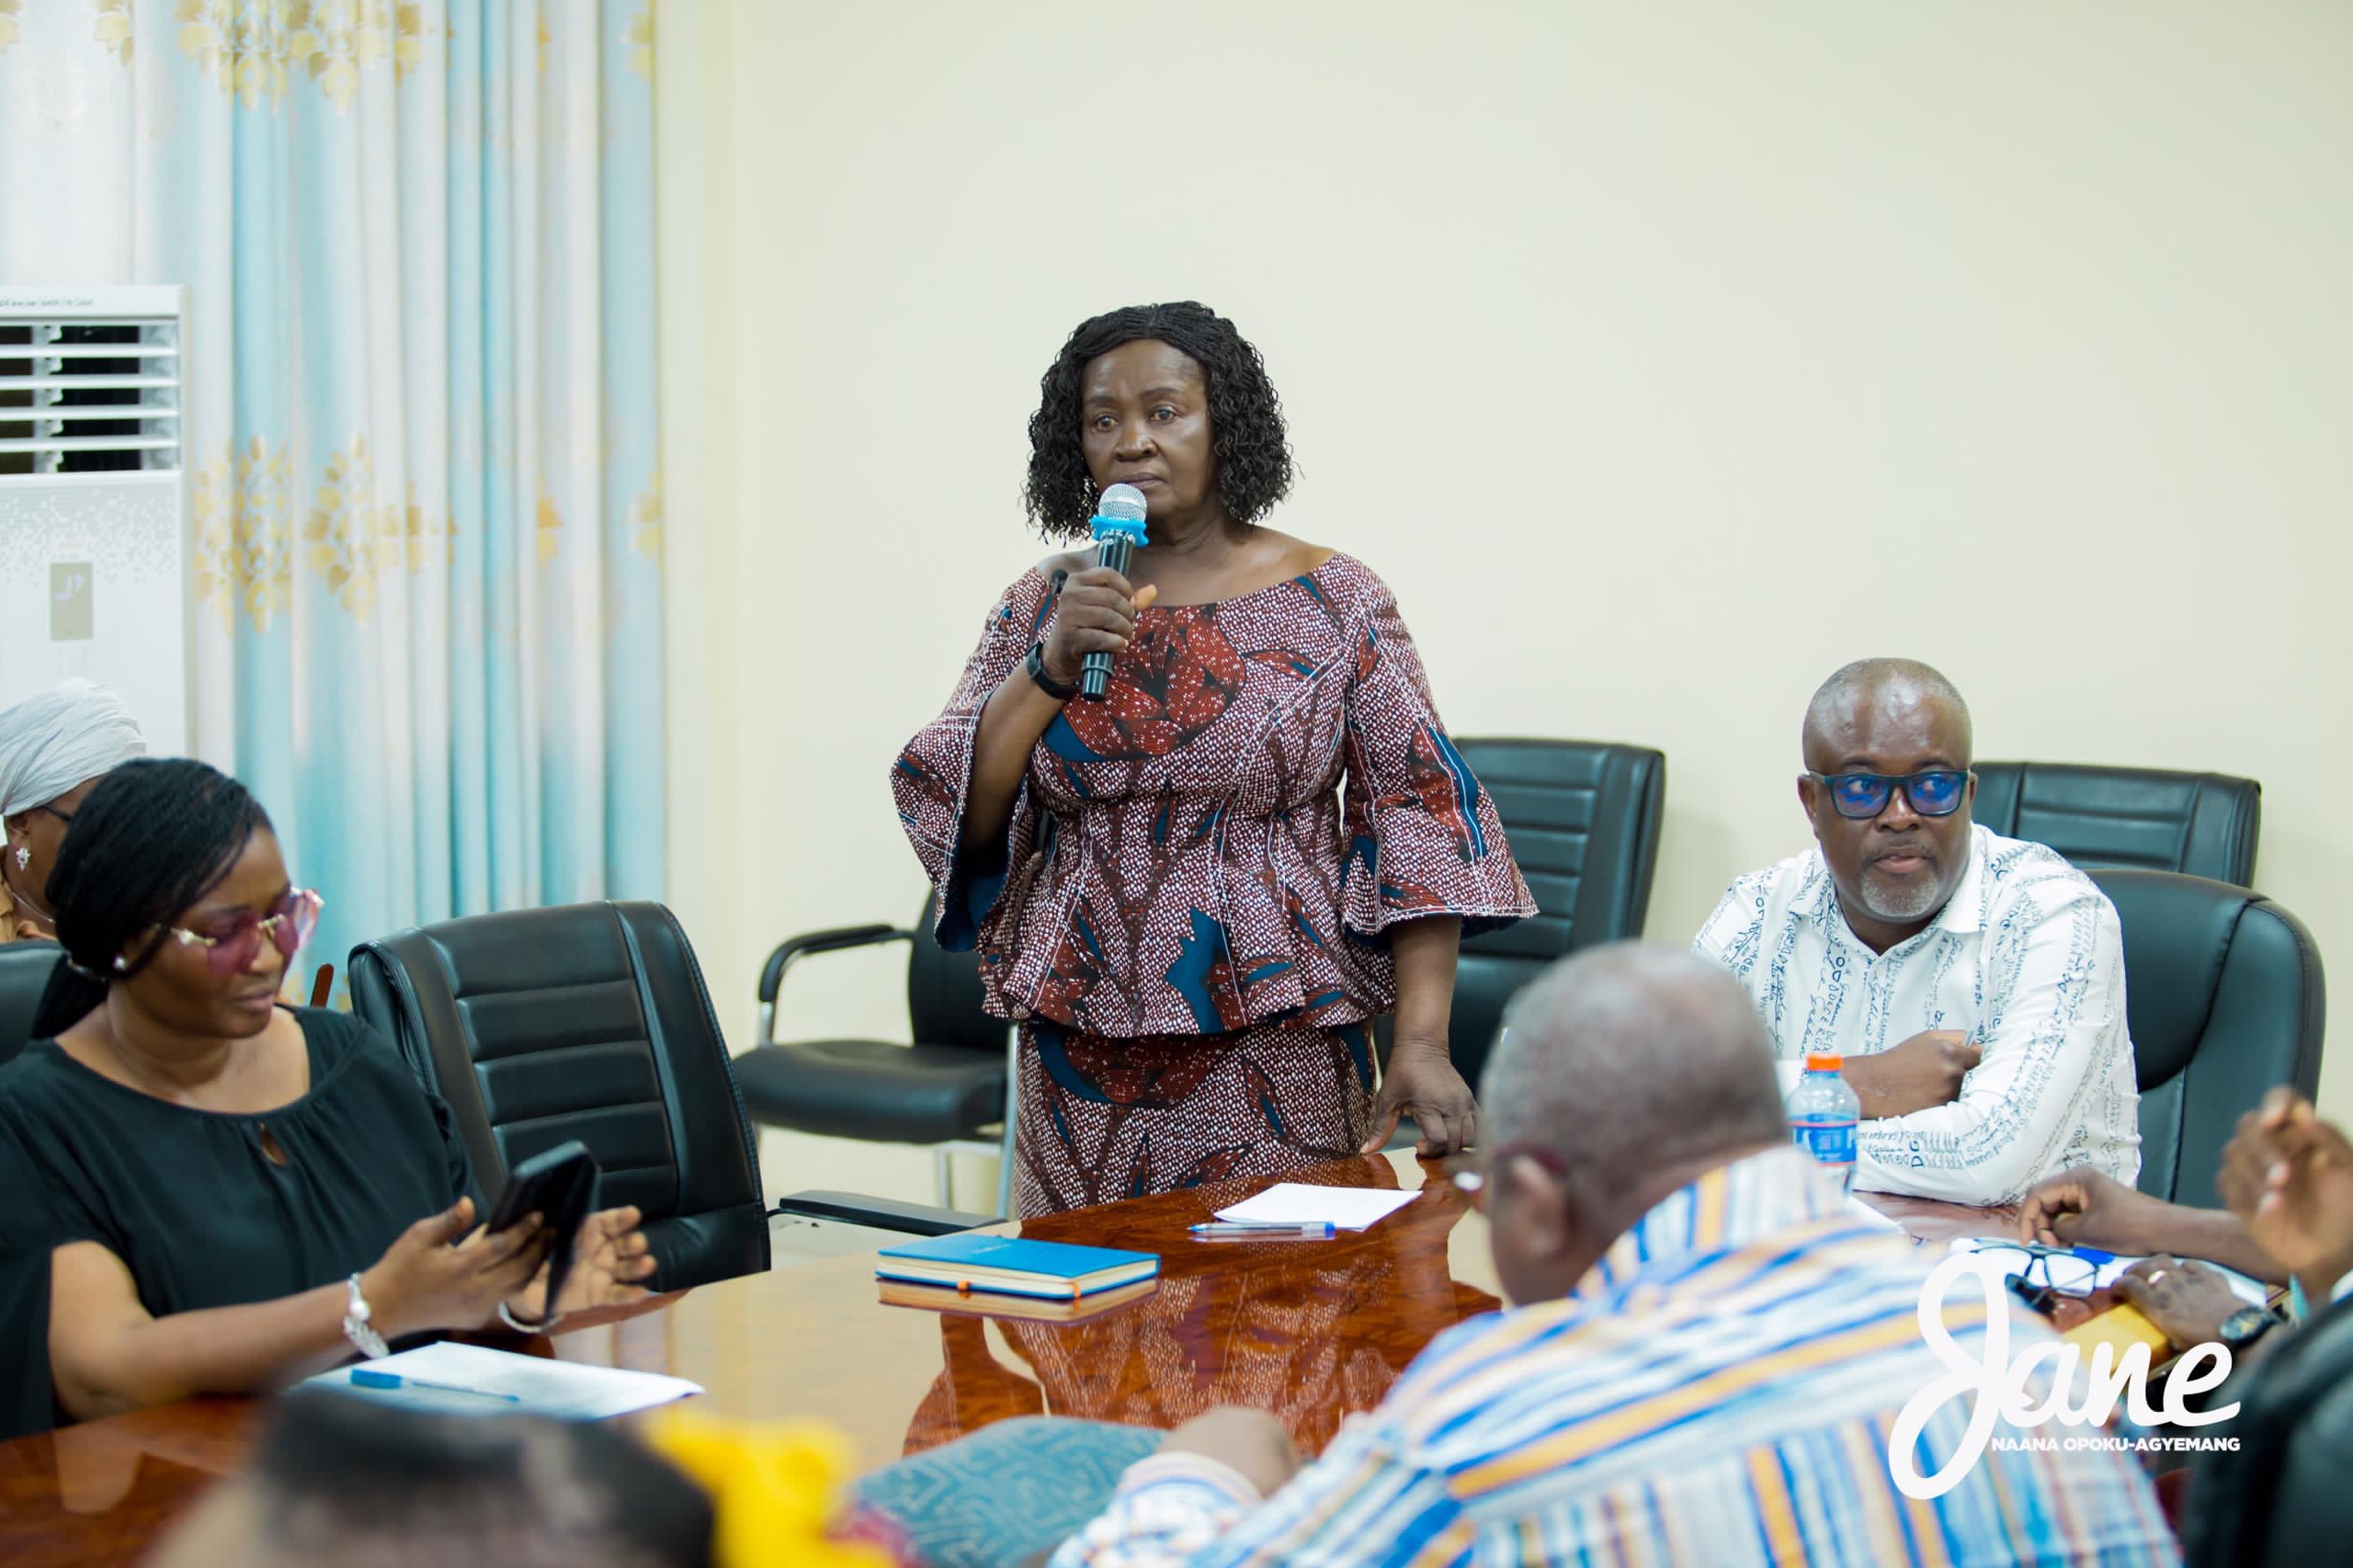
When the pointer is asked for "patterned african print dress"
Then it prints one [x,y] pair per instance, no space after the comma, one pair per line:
[1188,915]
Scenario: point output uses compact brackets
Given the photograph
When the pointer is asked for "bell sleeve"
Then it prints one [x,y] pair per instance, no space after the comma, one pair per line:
[933,777]
[1424,838]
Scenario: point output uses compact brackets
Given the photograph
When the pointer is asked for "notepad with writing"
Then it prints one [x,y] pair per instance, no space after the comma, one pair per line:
[1010,1265]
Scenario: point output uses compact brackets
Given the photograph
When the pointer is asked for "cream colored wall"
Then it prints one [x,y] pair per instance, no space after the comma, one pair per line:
[1661,358]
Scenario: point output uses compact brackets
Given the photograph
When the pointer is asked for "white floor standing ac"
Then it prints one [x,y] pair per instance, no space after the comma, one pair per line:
[93,498]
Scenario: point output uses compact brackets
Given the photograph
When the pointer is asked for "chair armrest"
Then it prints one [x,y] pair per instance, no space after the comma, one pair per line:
[881,1213]
[793,949]
[836,940]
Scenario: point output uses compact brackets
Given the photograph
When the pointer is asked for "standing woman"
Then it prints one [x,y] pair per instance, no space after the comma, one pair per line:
[1190,911]
[53,748]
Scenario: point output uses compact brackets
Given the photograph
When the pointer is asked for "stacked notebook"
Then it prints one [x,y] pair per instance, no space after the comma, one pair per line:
[1025,1278]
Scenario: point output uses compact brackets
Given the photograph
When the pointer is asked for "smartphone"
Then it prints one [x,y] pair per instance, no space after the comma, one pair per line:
[559,1185]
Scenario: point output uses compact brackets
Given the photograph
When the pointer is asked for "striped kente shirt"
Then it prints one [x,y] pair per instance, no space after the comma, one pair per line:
[1718,1390]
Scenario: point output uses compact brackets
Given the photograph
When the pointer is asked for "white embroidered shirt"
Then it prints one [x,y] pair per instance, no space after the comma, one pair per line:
[2027,957]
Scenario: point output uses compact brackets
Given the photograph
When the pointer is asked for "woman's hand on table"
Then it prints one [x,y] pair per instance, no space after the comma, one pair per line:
[1421,1082]
[609,1259]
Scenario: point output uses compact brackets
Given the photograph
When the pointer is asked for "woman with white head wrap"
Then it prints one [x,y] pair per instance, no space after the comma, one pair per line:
[53,747]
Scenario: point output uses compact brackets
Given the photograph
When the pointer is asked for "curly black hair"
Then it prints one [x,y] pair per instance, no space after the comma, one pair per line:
[1246,416]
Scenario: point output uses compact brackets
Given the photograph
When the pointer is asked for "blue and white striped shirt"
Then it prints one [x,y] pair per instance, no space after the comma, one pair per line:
[1718,1390]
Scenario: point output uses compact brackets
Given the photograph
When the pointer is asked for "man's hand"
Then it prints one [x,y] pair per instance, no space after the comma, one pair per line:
[2188,1302]
[2288,1176]
[2082,1206]
[1249,1442]
[1914,1074]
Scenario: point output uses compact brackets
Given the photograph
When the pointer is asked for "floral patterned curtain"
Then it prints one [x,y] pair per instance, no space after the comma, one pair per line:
[420,417]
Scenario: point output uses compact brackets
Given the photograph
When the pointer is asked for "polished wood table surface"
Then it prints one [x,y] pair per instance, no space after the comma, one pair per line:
[1309,1330]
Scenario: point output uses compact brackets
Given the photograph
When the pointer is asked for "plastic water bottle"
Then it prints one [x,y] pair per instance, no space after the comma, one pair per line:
[1822,1114]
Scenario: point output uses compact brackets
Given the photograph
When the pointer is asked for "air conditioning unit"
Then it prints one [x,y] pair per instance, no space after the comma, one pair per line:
[93,498]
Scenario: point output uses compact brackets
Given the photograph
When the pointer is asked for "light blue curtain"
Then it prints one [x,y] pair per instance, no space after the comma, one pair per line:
[421,422]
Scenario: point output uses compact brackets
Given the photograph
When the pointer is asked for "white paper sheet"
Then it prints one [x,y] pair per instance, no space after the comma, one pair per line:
[570,1390]
[1297,1203]
[2254,1293]
[1869,1215]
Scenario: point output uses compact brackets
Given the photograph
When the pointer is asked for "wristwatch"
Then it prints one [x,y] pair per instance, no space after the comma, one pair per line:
[2247,1325]
[356,1329]
[1036,664]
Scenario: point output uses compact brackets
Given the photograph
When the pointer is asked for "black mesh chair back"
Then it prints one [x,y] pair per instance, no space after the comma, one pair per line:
[2204,825]
[25,969]
[1582,818]
[587,1021]
[2225,994]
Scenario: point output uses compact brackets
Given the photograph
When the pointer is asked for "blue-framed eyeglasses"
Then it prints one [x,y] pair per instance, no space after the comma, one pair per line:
[1936,793]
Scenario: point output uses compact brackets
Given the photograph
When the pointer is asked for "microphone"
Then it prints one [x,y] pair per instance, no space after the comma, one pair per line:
[1117,525]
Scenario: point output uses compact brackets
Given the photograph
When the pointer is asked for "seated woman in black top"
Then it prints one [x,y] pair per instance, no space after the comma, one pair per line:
[227,1180]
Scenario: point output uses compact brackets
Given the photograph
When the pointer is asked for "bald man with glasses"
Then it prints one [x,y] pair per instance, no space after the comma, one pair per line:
[1974,985]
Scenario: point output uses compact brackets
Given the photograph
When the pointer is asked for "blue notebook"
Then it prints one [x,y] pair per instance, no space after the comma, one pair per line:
[1009,1266]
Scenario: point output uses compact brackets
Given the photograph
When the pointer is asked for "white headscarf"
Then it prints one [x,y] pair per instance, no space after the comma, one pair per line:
[51,742]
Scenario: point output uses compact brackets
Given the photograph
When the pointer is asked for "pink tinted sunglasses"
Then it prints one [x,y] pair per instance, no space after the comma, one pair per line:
[230,945]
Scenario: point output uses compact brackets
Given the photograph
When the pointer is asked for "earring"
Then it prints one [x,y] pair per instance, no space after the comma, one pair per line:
[24,857]
[122,964]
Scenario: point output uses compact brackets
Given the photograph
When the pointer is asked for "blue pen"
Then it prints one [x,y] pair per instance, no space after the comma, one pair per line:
[1237,1231]
[368,1378]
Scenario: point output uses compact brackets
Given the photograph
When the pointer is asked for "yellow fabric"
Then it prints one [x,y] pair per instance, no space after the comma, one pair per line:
[776,1488]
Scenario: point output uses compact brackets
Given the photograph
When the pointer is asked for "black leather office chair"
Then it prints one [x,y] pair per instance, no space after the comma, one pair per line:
[945,1090]
[587,1021]
[2204,824]
[2280,1500]
[25,969]
[2224,996]
[1582,818]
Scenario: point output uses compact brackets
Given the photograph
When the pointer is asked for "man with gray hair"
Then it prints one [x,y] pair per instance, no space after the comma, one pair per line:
[1707,1350]
[1973,986]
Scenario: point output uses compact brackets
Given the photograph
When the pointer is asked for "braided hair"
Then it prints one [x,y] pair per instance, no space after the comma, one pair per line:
[1246,416]
[153,838]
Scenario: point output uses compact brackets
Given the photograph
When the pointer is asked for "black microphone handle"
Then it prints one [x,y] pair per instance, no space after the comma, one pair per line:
[1115,551]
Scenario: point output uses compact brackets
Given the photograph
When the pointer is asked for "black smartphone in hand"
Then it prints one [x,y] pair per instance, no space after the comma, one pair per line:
[559,1185]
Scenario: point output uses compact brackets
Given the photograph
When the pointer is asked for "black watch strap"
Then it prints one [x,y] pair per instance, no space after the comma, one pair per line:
[2247,1325]
[1036,664]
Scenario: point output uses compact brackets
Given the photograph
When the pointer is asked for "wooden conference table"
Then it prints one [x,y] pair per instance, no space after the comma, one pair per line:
[1309,1330]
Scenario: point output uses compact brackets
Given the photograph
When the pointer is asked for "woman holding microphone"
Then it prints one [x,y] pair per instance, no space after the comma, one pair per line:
[1195,894]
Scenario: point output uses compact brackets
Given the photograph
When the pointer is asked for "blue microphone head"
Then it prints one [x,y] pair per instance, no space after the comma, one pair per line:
[1119,512]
